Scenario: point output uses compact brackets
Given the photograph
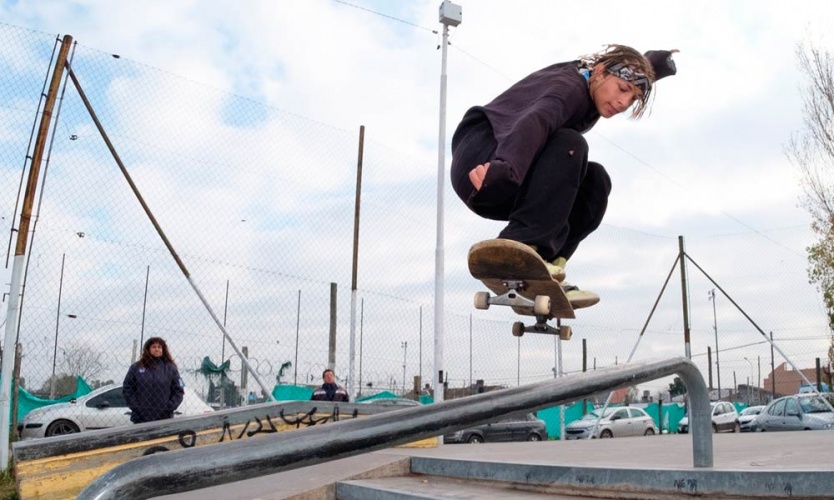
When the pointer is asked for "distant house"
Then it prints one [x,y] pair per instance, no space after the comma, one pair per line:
[788,380]
[619,396]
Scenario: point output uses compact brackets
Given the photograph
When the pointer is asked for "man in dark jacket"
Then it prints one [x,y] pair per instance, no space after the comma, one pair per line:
[152,387]
[330,390]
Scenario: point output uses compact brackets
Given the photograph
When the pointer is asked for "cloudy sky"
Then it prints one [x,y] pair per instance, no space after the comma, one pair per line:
[708,163]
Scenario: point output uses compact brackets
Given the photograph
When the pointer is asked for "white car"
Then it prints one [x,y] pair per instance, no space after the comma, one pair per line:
[747,418]
[724,418]
[616,422]
[103,408]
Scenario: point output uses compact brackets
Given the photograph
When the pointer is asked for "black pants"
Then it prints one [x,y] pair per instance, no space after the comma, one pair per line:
[561,200]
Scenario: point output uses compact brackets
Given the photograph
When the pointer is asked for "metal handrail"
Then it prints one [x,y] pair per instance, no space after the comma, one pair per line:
[205,466]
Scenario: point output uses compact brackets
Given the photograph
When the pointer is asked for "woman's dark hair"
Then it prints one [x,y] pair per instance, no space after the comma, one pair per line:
[147,360]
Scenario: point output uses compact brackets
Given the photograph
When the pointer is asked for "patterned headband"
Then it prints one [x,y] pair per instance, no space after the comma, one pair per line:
[631,75]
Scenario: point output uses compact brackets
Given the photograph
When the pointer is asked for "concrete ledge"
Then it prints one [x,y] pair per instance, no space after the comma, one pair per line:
[634,482]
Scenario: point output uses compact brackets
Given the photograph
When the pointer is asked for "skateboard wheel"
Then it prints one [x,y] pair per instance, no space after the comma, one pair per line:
[565,332]
[541,306]
[518,329]
[481,300]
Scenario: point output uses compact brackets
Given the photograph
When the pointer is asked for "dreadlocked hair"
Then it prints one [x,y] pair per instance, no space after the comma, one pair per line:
[615,54]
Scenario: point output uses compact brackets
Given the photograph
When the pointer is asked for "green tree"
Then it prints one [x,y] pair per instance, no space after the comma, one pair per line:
[676,388]
[812,151]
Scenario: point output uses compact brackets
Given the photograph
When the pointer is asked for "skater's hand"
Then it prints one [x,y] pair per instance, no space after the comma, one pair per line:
[477,175]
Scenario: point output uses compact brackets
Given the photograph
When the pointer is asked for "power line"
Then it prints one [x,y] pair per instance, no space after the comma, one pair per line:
[385,16]
[627,152]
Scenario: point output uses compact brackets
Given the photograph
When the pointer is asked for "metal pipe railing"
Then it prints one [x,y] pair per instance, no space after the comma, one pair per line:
[202,467]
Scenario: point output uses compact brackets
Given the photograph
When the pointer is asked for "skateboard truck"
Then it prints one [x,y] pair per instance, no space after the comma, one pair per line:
[540,307]
[541,326]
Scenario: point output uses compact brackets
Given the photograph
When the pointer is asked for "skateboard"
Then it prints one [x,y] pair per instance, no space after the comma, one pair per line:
[518,277]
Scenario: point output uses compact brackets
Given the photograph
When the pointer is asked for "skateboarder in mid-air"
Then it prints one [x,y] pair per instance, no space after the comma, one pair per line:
[522,158]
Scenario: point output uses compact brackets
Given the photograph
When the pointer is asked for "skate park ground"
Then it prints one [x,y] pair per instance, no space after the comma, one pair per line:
[747,465]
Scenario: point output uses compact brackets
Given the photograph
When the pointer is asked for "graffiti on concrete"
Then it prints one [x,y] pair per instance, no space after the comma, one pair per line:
[688,485]
[265,424]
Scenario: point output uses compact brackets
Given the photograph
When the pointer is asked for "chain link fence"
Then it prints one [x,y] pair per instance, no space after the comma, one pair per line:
[259,204]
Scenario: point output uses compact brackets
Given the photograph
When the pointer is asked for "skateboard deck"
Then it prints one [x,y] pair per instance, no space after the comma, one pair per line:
[500,262]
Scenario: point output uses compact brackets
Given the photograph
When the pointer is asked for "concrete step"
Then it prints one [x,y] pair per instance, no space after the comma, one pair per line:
[414,487]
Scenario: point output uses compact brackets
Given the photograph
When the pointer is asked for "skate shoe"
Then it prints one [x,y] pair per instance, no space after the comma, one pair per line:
[557,268]
[579,298]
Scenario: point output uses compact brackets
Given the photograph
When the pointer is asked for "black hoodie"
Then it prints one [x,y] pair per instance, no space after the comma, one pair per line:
[153,392]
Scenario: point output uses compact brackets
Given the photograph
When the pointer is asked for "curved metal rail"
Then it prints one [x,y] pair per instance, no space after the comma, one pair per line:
[201,467]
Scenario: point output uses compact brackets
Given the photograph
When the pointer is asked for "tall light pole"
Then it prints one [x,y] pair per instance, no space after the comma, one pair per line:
[405,357]
[449,15]
[711,295]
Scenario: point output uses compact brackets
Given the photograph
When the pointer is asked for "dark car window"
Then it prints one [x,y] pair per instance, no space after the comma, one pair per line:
[777,408]
[718,410]
[635,413]
[792,408]
[621,414]
[728,408]
[114,397]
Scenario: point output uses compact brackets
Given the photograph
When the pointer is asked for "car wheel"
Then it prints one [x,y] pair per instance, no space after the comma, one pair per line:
[534,437]
[714,429]
[61,427]
[649,432]
[606,434]
[736,427]
[475,439]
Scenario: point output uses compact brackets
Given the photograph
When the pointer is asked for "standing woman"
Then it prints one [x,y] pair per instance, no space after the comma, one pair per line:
[153,388]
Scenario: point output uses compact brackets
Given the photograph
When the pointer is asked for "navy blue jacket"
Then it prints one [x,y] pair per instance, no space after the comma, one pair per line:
[152,393]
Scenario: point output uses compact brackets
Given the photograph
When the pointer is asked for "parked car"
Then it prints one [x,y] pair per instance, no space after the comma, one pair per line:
[524,428]
[800,412]
[103,408]
[724,418]
[615,422]
[747,418]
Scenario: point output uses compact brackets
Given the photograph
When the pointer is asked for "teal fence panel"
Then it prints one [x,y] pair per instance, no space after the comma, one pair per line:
[292,393]
[552,420]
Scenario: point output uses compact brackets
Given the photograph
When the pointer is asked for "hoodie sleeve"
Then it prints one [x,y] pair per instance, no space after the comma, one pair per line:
[177,389]
[129,387]
[523,119]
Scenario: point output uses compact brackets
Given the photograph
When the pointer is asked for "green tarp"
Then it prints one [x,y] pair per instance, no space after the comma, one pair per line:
[27,402]
[292,393]
[381,395]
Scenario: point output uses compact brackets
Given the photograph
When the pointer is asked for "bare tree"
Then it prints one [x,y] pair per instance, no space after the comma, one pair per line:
[812,151]
[81,360]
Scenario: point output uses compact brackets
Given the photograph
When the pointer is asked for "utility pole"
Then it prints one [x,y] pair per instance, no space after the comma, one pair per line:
[759,380]
[749,389]
[18,263]
[405,358]
[772,371]
[711,295]
[684,299]
[57,324]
